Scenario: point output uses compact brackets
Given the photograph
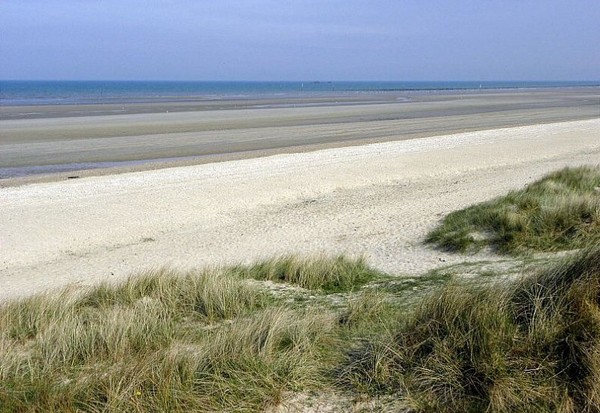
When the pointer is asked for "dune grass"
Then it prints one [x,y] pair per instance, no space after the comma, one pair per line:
[165,341]
[559,212]
[226,340]
[319,273]
[527,346]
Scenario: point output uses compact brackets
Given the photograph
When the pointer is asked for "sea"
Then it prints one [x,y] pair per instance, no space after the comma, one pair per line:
[21,93]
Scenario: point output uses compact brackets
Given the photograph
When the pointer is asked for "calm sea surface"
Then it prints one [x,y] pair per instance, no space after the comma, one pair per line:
[13,93]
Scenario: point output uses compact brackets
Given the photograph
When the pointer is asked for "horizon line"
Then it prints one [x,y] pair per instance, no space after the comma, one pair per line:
[295,80]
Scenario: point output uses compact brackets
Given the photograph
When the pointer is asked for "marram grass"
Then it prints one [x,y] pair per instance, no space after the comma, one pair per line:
[214,341]
[559,212]
[528,346]
[166,341]
[319,273]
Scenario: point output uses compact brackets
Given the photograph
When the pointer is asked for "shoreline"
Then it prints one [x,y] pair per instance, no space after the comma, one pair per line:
[198,103]
[378,199]
[158,164]
[83,146]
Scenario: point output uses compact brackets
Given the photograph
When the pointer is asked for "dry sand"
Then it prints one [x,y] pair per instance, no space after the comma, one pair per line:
[378,199]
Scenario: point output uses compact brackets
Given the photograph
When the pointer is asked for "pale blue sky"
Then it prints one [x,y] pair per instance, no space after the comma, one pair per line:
[300,40]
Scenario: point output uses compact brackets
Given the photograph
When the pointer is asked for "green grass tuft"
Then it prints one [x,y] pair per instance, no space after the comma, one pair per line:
[559,212]
[526,346]
[317,273]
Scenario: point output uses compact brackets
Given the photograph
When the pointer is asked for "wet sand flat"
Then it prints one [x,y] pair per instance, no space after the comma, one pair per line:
[191,133]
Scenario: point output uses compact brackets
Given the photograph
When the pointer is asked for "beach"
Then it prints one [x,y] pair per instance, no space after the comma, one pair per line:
[52,142]
[374,199]
[289,207]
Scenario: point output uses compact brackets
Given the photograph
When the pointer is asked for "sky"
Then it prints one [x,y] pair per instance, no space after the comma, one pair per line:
[300,40]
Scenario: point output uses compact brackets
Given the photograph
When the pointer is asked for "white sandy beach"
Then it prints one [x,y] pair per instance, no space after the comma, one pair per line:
[378,200]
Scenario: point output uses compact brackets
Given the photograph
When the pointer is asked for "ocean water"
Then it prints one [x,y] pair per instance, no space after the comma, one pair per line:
[13,93]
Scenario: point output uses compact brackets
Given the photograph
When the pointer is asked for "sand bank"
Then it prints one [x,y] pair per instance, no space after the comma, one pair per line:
[378,199]
[63,140]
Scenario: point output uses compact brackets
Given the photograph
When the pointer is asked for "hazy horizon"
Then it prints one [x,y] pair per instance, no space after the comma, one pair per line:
[312,80]
[352,40]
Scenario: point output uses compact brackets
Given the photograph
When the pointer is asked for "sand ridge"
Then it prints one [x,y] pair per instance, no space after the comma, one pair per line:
[377,199]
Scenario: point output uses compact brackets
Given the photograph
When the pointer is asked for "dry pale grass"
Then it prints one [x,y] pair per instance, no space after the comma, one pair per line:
[163,341]
[214,341]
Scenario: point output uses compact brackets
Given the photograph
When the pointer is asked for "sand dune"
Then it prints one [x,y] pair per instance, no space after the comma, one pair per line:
[377,199]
